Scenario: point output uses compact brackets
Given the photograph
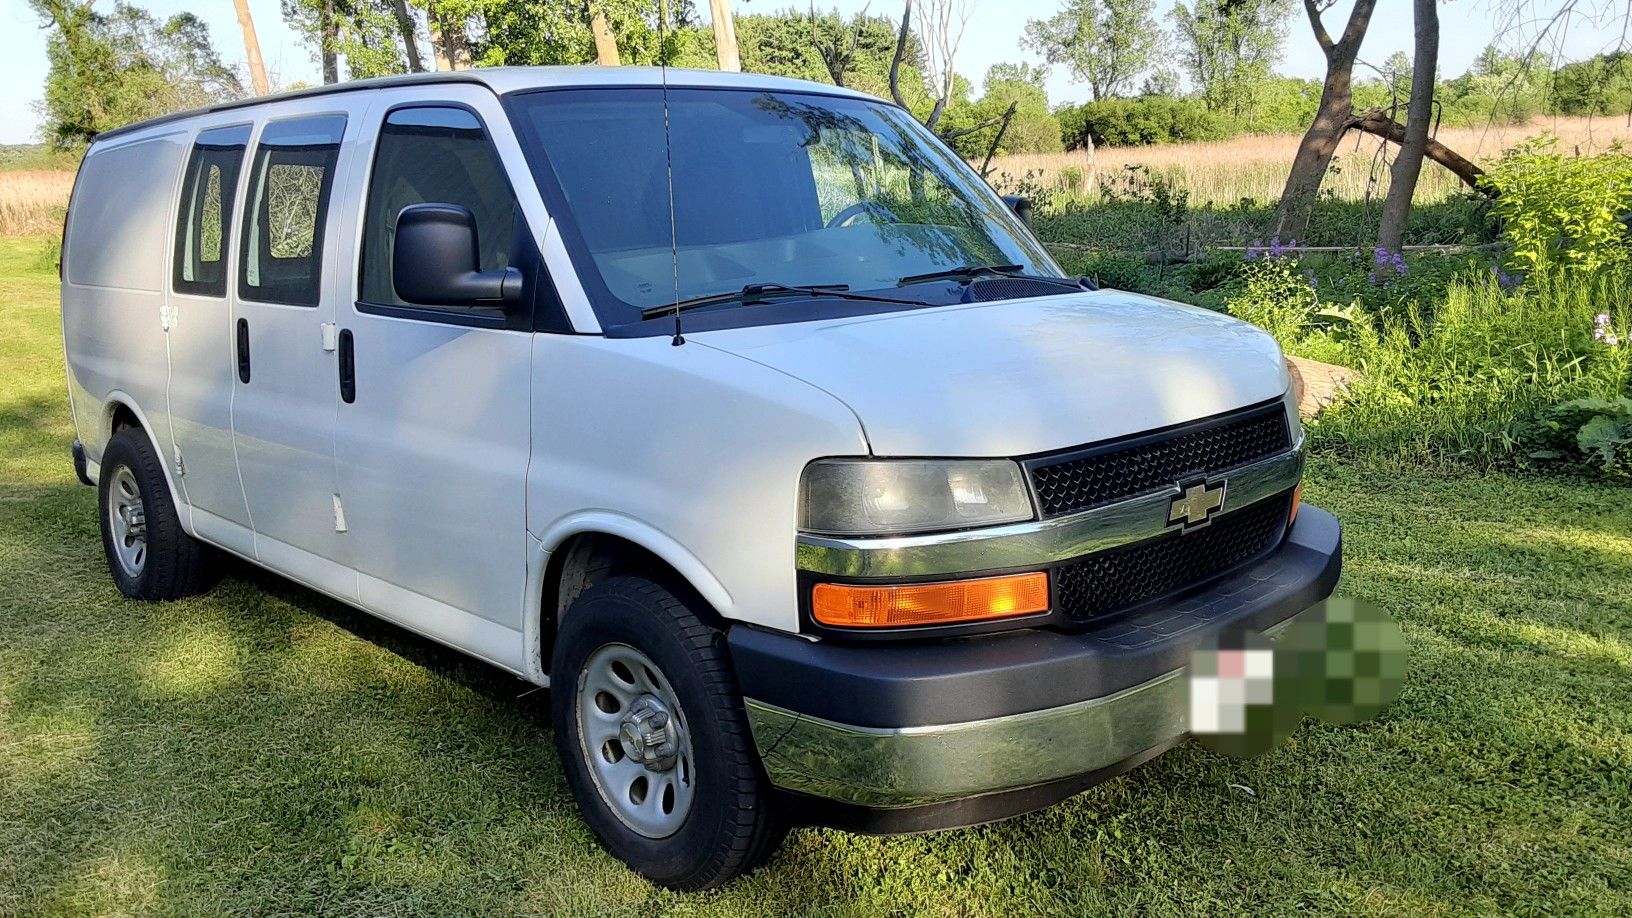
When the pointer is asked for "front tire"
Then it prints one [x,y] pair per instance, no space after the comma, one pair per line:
[149,555]
[653,739]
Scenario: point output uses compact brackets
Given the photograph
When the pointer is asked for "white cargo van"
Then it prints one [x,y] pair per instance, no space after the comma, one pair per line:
[737,410]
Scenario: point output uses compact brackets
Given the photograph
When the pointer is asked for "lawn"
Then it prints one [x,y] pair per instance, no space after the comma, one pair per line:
[265,750]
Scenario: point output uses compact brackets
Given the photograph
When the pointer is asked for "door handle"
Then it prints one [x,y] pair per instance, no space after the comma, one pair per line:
[243,350]
[348,367]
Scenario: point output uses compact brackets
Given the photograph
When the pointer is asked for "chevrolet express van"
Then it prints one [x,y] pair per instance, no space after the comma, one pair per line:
[736,410]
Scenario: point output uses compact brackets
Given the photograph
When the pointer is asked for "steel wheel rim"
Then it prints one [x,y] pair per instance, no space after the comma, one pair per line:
[127,521]
[645,774]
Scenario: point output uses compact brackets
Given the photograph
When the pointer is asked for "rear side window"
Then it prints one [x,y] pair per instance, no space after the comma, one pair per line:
[287,204]
[433,154]
[205,216]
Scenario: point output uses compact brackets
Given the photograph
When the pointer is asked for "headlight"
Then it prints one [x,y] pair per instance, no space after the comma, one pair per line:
[891,496]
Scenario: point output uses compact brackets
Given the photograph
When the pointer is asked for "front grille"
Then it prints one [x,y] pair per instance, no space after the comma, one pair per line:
[1109,581]
[1106,474]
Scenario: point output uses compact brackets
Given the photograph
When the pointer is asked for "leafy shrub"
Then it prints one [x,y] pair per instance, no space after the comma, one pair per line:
[1599,429]
[1145,120]
[1467,380]
[1274,297]
[1563,211]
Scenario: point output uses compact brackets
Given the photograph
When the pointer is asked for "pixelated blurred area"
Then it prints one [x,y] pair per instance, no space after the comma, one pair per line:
[1341,661]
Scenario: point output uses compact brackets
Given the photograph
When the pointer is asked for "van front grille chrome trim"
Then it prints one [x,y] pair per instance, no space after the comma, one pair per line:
[1037,542]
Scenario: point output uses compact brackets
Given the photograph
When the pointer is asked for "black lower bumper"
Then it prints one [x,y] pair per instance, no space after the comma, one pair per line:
[887,715]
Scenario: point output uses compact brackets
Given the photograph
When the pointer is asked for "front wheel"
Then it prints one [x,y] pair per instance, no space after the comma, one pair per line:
[653,739]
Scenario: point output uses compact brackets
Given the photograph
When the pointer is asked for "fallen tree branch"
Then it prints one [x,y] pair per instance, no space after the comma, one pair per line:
[1378,123]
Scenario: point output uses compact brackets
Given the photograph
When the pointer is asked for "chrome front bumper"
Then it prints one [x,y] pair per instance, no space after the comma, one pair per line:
[912,766]
[1009,718]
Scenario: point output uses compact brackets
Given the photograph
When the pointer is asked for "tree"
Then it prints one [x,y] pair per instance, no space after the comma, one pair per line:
[1105,43]
[1332,120]
[725,35]
[1228,47]
[1408,164]
[252,49]
[410,34]
[107,70]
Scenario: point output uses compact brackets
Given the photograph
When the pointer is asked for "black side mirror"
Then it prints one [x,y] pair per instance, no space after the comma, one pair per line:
[1021,205]
[435,261]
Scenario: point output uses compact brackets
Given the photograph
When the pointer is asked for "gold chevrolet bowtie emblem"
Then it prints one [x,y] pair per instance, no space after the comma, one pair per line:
[1196,504]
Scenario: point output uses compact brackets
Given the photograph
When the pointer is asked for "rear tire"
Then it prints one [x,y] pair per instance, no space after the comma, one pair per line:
[148,554]
[628,651]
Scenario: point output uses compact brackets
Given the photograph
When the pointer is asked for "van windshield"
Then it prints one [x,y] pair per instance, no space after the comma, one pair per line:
[769,188]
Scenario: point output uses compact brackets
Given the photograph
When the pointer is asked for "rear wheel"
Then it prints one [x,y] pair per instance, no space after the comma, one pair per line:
[653,739]
[148,554]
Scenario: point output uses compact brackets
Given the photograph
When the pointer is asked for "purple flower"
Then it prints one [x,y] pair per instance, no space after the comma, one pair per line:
[1599,333]
[1602,319]
[1313,283]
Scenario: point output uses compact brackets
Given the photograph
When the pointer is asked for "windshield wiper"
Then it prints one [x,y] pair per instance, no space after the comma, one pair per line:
[971,273]
[755,294]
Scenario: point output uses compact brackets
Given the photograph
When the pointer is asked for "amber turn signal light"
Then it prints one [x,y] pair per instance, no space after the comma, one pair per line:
[905,605]
[1297,500]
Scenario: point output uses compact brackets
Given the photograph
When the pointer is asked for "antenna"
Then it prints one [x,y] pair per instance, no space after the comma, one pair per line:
[668,161]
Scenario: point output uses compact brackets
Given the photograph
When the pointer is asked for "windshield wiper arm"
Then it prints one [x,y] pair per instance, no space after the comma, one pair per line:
[969,272]
[755,294]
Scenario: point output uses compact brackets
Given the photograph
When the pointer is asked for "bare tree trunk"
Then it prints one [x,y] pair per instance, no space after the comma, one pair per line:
[1331,120]
[900,52]
[410,35]
[1002,128]
[328,31]
[725,35]
[1419,112]
[606,44]
[252,49]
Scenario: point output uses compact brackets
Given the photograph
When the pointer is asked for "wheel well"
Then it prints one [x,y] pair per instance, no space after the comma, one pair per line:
[123,417]
[591,557]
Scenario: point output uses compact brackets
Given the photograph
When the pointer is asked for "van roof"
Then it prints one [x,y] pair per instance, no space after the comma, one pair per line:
[503,80]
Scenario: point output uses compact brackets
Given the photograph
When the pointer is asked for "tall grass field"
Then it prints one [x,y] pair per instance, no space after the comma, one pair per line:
[1253,167]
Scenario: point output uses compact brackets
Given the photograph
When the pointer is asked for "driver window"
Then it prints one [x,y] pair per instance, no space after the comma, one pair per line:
[433,154]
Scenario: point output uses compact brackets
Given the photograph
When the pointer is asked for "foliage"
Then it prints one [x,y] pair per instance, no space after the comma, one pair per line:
[1135,122]
[1598,430]
[1498,87]
[1105,43]
[1033,129]
[107,70]
[1559,210]
[1600,85]
[1273,295]
[1228,47]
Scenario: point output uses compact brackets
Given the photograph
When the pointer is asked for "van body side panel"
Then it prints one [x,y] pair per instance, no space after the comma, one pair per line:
[695,446]
[283,416]
[431,455]
[113,286]
[202,366]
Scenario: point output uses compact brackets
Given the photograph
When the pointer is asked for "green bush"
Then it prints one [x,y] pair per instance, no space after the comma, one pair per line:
[1596,430]
[1467,381]
[1145,120]
[1559,210]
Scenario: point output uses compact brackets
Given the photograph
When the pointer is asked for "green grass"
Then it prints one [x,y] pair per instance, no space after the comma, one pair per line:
[264,750]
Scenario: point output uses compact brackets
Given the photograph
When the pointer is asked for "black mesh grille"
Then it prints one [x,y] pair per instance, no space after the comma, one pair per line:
[1014,288]
[1108,581]
[1103,476]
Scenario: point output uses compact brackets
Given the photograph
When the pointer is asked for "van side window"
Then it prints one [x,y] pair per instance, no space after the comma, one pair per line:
[205,216]
[433,154]
[282,249]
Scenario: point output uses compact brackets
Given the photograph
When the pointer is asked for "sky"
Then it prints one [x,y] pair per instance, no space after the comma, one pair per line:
[993,35]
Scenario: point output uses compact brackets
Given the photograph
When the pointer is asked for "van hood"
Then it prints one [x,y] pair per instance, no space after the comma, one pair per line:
[1016,377]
